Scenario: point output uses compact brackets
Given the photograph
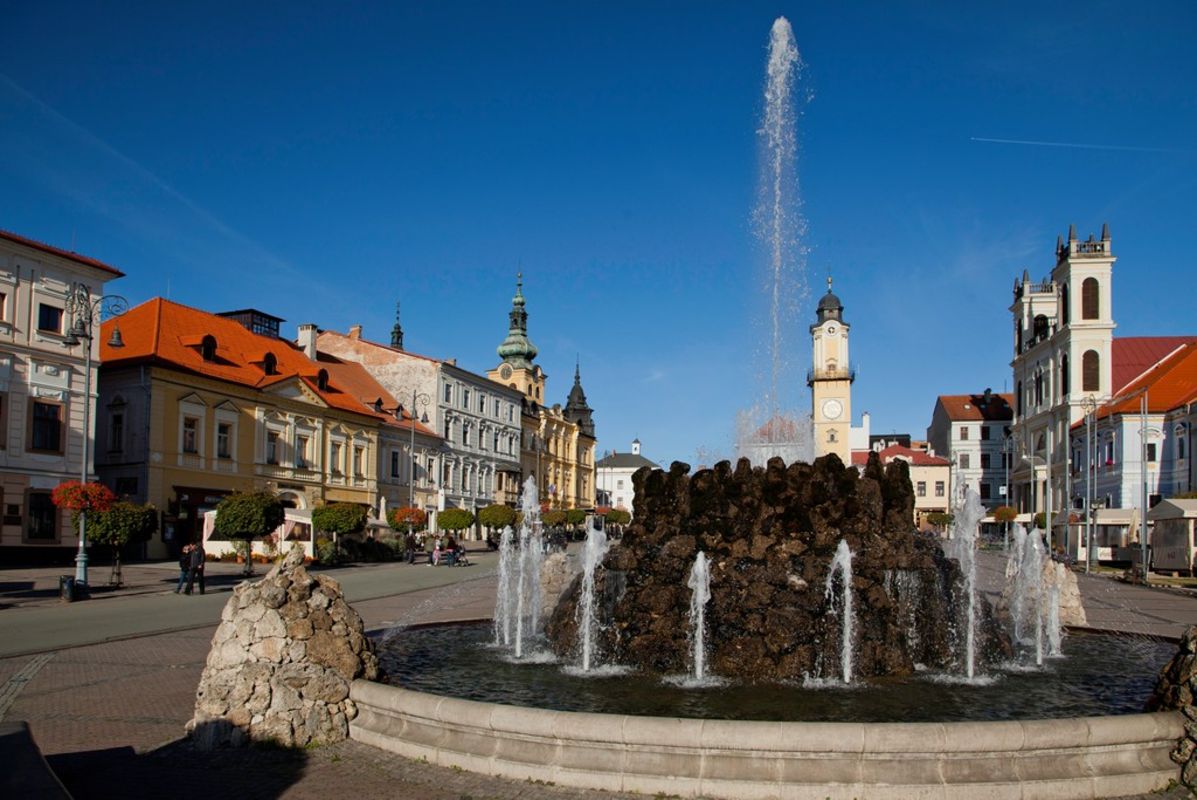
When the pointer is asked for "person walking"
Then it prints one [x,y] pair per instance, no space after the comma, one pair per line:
[195,568]
[184,567]
[409,544]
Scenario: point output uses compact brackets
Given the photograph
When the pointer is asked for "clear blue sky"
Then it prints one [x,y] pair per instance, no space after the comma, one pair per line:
[320,161]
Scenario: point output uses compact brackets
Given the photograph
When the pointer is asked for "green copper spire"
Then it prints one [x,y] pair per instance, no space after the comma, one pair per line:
[516,349]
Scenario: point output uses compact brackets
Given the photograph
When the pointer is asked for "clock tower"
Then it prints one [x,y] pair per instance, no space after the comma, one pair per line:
[516,370]
[830,379]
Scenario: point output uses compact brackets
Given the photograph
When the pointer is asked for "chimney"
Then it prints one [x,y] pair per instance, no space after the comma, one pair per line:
[306,340]
[355,332]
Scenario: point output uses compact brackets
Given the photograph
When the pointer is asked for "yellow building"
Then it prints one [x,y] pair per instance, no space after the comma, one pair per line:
[557,444]
[195,406]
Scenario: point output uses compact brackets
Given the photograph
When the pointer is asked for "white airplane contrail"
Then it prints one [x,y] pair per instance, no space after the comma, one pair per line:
[1080,145]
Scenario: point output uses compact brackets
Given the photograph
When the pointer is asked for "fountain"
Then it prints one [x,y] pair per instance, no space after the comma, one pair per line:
[518,594]
[843,563]
[700,594]
[592,556]
[966,523]
[504,610]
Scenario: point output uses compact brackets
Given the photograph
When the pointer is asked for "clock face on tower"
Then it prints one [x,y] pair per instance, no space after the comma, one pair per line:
[831,330]
[832,409]
[505,372]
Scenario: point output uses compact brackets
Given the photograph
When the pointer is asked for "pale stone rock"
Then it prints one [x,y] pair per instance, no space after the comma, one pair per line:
[270,625]
[299,629]
[271,649]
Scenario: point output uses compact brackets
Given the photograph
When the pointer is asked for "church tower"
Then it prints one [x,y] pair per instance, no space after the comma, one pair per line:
[516,370]
[830,379]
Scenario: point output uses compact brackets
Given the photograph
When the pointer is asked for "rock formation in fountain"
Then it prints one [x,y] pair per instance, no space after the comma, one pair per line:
[281,663]
[1041,596]
[1177,689]
[770,535]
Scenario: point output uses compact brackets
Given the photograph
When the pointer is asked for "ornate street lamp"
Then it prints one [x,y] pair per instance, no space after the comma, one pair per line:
[418,400]
[87,312]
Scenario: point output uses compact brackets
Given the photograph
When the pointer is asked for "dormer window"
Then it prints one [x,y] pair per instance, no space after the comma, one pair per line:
[378,406]
[208,348]
[270,364]
[322,380]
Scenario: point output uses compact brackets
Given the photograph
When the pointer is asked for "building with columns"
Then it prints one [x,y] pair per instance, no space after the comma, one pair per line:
[558,444]
[43,392]
[479,421]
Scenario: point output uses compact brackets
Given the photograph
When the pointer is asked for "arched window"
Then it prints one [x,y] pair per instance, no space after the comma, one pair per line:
[1039,389]
[322,380]
[1018,399]
[1091,371]
[270,364]
[208,348]
[1090,300]
[1065,311]
[1064,378]
[1039,328]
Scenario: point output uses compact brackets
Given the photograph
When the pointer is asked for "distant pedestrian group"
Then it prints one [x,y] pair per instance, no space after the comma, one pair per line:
[191,567]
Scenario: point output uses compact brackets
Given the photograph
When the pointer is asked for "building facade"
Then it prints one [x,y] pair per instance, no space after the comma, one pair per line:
[44,386]
[614,477]
[558,443]
[971,431]
[195,406]
[479,422]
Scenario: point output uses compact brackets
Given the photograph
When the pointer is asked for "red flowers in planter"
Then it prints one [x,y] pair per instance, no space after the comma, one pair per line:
[77,497]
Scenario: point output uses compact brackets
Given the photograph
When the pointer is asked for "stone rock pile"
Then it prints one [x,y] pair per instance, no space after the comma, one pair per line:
[1177,689]
[556,572]
[770,534]
[281,663]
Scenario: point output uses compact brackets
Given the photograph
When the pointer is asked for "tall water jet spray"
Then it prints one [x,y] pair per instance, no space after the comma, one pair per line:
[842,562]
[527,581]
[963,547]
[700,593]
[592,555]
[504,610]
[780,222]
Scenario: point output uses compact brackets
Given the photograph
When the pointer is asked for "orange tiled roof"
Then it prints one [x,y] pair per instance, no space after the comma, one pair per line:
[1169,384]
[918,458]
[973,407]
[58,251]
[1131,356]
[164,332]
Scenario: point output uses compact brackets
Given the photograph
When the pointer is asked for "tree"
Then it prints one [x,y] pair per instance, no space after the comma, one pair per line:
[553,518]
[1004,514]
[1041,520]
[339,518]
[497,516]
[618,516]
[454,519]
[939,519]
[122,523]
[245,516]
[83,500]
[407,519]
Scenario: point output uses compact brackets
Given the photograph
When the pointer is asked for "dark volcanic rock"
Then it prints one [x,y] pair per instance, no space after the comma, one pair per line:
[770,534]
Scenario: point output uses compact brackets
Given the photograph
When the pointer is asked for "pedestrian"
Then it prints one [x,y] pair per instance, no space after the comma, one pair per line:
[184,567]
[428,548]
[409,544]
[195,568]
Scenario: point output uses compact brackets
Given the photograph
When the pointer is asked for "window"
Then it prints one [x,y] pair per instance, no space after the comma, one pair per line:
[190,435]
[1065,311]
[985,491]
[939,488]
[41,523]
[1065,380]
[964,461]
[45,427]
[116,432]
[985,461]
[1090,370]
[358,461]
[224,432]
[1039,389]
[448,393]
[481,404]
[1180,446]
[49,318]
[495,442]
[496,399]
[334,458]
[1151,451]
[271,447]
[1090,299]
[301,451]
[208,348]
[921,489]
[322,380]
[510,412]
[619,484]
[465,433]
[448,430]
[270,364]
[431,470]
[3,420]
[465,398]
[394,463]
[964,433]
[985,433]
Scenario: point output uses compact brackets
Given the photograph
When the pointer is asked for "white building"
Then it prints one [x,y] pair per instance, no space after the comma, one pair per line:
[42,391]
[970,430]
[614,477]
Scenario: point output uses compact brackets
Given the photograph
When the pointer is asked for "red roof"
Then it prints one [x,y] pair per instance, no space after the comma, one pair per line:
[57,251]
[963,407]
[777,429]
[1132,356]
[161,331]
[1171,383]
[918,458]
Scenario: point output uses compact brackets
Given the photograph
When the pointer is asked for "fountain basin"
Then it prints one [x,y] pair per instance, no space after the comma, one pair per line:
[1080,757]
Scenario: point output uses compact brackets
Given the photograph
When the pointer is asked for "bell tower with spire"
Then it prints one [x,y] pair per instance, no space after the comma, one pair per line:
[516,370]
[830,379]
[397,330]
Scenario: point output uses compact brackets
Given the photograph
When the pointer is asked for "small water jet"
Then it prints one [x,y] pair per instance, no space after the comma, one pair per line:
[519,604]
[843,564]
[592,555]
[963,546]
[700,594]
[503,600]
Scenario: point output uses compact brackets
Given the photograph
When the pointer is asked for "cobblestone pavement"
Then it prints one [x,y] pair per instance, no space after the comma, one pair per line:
[110,717]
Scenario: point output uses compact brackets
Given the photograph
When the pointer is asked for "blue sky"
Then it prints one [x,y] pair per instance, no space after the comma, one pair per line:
[321,161]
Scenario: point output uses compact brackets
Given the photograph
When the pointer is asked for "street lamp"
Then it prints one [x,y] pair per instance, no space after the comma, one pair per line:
[418,400]
[1007,456]
[87,312]
[1090,405]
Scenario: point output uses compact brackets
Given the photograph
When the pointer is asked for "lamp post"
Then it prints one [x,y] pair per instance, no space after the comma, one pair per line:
[87,312]
[1090,408]
[418,400]
[1007,455]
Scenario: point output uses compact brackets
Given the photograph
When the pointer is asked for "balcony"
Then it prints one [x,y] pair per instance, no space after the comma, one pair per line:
[836,374]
